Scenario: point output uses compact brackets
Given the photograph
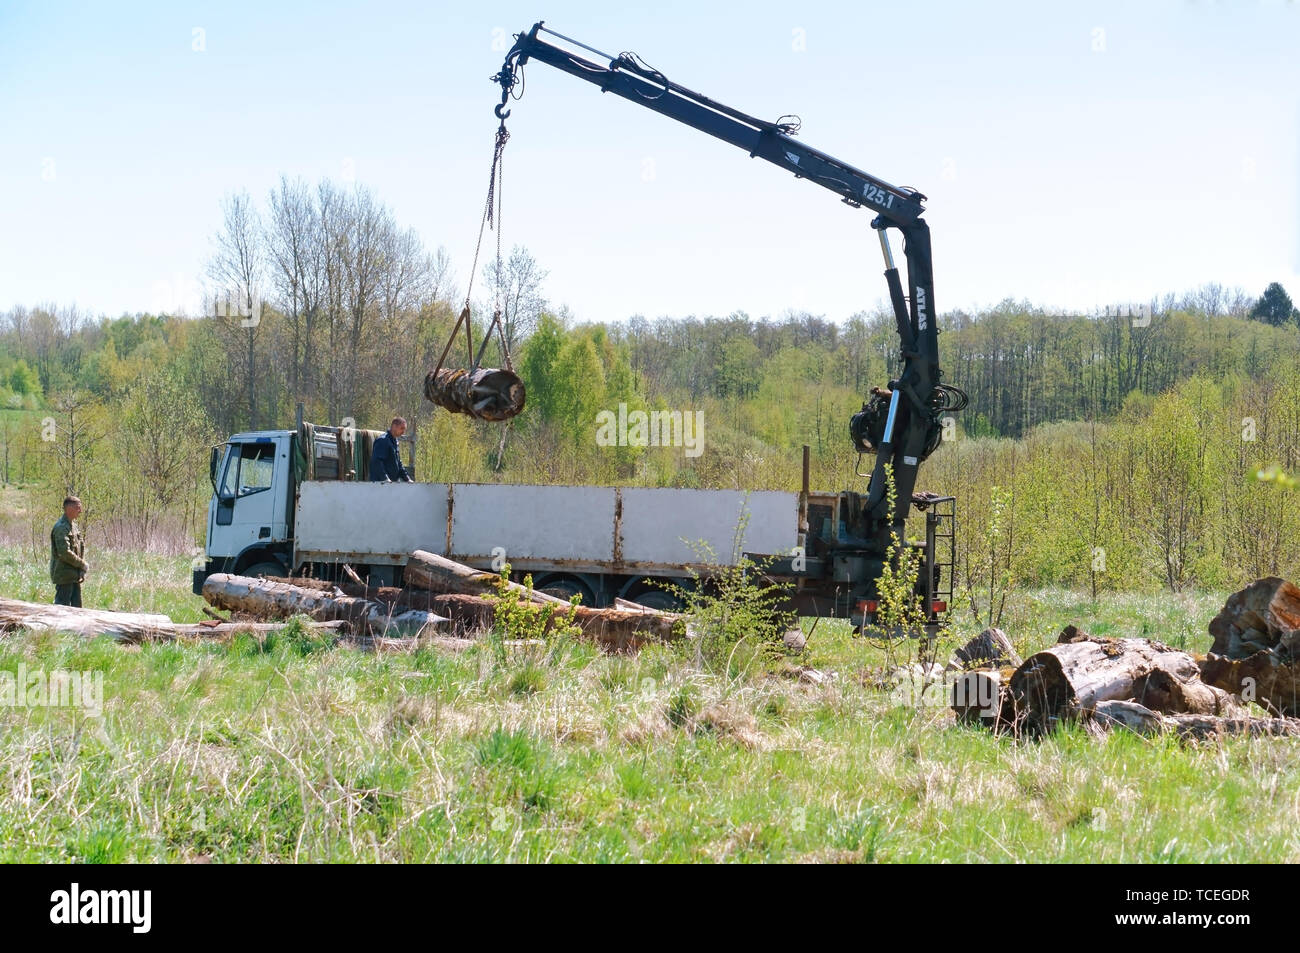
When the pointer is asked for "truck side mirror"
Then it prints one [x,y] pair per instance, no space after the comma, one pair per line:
[212,467]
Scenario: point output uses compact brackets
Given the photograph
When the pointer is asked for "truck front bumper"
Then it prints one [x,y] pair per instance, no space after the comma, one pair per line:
[200,576]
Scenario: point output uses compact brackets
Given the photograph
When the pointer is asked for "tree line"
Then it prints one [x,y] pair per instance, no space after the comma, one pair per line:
[1127,423]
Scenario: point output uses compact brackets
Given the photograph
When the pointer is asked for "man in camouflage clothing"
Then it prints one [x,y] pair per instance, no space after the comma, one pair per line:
[68,566]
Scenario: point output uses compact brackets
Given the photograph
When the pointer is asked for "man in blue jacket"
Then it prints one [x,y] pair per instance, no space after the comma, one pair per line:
[385,463]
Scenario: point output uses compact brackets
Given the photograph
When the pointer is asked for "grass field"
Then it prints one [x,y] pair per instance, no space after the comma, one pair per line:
[299,751]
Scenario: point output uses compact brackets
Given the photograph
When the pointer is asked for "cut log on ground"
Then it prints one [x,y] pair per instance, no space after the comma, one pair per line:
[1267,678]
[123,626]
[1069,680]
[267,599]
[616,630]
[1143,721]
[990,649]
[982,696]
[1203,727]
[1130,716]
[1256,644]
[489,393]
[426,570]
[1264,615]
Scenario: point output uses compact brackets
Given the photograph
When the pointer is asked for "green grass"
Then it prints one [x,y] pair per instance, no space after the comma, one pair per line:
[129,581]
[297,751]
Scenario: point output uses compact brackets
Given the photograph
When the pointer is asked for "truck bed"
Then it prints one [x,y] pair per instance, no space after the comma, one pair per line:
[585,528]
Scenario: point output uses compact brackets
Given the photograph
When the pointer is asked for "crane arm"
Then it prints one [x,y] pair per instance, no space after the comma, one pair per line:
[626,76]
[901,427]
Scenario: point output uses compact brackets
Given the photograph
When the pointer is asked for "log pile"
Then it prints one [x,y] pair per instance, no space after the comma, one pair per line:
[1256,643]
[442,597]
[1133,684]
[270,599]
[622,628]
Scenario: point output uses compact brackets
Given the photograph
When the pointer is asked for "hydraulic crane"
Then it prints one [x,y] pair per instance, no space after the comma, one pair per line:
[900,424]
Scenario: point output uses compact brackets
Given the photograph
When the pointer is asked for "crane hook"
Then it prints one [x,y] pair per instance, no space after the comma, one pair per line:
[506,80]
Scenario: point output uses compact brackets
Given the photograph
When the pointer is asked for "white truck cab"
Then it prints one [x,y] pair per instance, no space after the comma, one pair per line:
[250,515]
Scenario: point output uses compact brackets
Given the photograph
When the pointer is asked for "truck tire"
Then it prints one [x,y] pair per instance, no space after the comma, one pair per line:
[658,599]
[566,588]
[263,569]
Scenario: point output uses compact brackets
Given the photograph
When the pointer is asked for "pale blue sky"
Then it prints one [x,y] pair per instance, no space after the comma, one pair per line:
[1075,154]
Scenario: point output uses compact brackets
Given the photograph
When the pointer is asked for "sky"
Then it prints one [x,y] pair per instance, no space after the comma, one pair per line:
[1074,154]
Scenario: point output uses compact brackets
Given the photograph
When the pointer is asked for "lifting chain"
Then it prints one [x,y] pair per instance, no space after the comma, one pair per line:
[491,219]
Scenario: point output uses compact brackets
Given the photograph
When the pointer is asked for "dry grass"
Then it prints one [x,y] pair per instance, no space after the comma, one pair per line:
[292,751]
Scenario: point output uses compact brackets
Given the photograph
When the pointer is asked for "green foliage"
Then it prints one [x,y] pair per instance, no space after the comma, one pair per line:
[538,365]
[1278,477]
[735,619]
[518,617]
[990,562]
[24,381]
[1123,448]
[901,608]
[1274,307]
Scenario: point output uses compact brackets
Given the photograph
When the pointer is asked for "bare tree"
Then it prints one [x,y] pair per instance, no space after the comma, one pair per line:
[236,270]
[364,250]
[72,442]
[295,254]
[516,284]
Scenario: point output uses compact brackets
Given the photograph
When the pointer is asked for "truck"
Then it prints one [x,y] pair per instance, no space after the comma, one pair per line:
[285,503]
[832,548]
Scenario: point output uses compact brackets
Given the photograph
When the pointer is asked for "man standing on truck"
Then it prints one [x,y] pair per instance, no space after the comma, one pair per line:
[68,566]
[385,461]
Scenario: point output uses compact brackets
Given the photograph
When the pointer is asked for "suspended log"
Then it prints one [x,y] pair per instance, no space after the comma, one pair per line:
[489,393]
[130,627]
[267,599]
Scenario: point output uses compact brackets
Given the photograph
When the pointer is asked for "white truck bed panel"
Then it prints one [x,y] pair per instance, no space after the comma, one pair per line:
[583,527]
[380,518]
[560,523]
[658,523]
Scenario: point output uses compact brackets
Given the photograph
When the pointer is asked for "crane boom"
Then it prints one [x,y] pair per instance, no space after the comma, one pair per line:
[899,424]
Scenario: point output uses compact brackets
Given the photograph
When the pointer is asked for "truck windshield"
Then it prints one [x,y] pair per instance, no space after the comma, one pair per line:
[248,469]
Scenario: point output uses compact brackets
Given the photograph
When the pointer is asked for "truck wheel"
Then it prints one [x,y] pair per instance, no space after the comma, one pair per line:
[566,589]
[263,569]
[658,599]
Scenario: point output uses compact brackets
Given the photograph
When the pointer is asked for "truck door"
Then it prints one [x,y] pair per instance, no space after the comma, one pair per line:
[250,494]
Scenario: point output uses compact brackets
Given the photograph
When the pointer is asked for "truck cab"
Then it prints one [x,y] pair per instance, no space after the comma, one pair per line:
[250,515]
